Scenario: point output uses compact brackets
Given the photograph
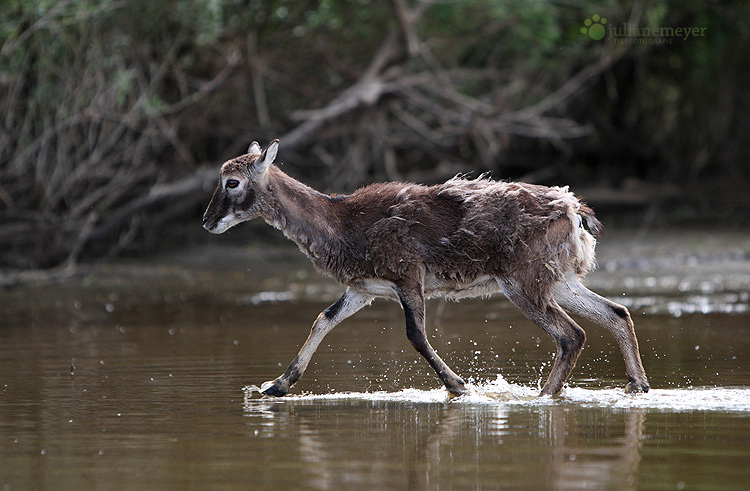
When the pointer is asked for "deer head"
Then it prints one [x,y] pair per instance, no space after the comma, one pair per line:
[239,195]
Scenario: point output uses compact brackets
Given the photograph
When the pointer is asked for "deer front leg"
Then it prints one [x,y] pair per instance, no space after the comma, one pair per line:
[349,303]
[412,300]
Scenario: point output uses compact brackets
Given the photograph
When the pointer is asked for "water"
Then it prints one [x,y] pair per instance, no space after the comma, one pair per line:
[139,375]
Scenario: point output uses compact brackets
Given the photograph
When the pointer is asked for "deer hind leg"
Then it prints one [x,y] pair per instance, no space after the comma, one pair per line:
[412,301]
[349,303]
[579,300]
[547,314]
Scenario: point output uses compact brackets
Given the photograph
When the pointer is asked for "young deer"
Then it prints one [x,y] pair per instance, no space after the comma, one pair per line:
[409,242]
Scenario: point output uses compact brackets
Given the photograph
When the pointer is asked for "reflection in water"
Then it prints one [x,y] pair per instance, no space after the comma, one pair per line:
[433,440]
[585,439]
[426,454]
[577,464]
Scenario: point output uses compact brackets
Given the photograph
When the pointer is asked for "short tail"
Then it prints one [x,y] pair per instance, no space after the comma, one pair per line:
[590,221]
[589,229]
[583,232]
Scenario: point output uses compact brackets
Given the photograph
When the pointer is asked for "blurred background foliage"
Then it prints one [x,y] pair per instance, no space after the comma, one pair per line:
[116,114]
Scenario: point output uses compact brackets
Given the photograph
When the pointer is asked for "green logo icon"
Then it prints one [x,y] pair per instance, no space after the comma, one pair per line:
[594,27]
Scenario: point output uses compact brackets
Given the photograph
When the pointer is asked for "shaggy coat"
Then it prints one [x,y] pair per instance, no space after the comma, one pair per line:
[408,242]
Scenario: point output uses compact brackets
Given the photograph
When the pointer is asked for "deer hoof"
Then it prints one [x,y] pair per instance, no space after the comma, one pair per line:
[634,387]
[271,389]
[456,393]
[458,389]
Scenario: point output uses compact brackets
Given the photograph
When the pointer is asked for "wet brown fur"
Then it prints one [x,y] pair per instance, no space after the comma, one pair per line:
[407,242]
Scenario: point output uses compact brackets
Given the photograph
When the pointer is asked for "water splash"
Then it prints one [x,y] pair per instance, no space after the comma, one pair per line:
[725,399]
[500,391]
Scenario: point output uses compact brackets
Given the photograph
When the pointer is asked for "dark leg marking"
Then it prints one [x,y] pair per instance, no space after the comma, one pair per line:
[572,339]
[274,391]
[292,373]
[416,335]
[620,311]
[335,308]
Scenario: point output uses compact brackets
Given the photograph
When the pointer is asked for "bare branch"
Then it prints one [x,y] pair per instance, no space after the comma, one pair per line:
[571,87]
[406,26]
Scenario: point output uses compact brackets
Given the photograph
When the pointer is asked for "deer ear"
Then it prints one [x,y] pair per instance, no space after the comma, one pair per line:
[254,148]
[267,157]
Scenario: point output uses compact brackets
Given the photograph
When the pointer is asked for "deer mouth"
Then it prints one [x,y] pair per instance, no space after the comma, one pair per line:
[211,225]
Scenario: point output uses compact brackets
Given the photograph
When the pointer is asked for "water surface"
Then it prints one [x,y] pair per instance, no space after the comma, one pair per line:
[138,375]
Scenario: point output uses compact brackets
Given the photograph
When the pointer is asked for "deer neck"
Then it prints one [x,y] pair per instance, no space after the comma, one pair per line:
[303,214]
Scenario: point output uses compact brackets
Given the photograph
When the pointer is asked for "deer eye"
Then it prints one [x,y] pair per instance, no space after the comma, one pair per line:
[232,183]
